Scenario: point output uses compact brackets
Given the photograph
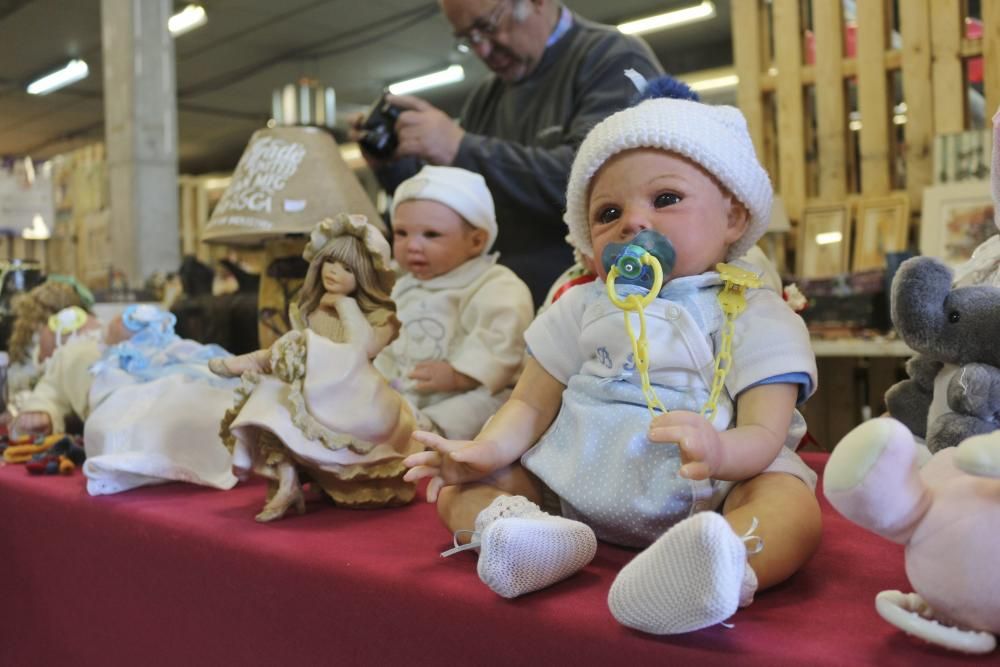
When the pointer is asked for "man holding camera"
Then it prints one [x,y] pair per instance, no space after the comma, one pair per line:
[555,75]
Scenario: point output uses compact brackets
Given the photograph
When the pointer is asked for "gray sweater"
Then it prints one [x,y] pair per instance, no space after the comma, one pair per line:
[522,138]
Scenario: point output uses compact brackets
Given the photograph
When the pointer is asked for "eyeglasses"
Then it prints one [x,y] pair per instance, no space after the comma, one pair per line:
[482,29]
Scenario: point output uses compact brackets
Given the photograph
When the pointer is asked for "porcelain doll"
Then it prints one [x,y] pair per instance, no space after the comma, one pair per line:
[312,407]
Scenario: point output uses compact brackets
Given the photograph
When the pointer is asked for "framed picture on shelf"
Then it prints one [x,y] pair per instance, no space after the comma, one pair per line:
[882,227]
[956,218]
[824,250]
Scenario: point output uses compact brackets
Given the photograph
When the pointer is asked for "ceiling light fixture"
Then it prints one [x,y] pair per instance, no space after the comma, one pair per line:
[705,10]
[453,74]
[714,83]
[69,73]
[186,20]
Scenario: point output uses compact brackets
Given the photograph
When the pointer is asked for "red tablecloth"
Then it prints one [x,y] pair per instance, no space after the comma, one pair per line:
[179,575]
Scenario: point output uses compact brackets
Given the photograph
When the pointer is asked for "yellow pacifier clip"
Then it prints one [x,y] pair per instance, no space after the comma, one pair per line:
[640,347]
[732,300]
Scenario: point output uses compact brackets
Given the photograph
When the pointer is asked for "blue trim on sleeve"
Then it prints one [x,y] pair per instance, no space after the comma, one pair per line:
[802,379]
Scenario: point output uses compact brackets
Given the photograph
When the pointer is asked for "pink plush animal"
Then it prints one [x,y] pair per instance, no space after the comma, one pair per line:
[946,512]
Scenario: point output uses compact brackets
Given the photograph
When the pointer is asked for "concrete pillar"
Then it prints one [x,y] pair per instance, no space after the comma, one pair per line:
[140,111]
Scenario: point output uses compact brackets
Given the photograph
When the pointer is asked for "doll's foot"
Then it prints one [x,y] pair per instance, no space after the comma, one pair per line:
[523,549]
[281,499]
[280,503]
[694,576]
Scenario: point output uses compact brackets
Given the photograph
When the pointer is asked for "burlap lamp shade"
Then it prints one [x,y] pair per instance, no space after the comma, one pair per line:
[288,179]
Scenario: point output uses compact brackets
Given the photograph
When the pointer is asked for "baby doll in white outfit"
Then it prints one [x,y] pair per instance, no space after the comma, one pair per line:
[463,316]
[149,404]
[717,499]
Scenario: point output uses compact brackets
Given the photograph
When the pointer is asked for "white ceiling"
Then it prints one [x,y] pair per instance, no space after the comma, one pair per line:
[227,69]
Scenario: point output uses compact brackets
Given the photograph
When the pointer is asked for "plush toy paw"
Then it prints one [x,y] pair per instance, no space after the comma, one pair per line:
[879,454]
[980,455]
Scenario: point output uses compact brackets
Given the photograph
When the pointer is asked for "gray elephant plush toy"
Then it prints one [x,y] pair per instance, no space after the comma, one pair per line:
[953,391]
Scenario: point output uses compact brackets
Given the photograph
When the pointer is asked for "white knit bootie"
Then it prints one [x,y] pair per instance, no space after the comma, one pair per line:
[523,549]
[694,576]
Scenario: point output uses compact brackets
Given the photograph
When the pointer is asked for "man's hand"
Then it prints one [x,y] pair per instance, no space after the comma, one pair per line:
[434,376]
[425,131]
[701,448]
[449,462]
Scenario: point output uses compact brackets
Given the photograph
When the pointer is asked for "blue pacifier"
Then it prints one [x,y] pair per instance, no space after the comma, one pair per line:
[627,258]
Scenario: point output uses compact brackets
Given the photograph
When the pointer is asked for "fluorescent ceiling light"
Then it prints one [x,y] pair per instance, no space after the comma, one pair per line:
[714,83]
[705,10]
[453,74]
[186,20]
[69,73]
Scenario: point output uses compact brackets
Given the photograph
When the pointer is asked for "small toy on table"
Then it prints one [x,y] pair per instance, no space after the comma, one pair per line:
[945,513]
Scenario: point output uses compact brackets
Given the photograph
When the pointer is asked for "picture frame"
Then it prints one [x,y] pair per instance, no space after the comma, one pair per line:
[883,226]
[955,219]
[825,240]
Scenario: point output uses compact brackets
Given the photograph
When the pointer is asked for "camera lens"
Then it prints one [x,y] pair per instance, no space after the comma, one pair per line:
[380,138]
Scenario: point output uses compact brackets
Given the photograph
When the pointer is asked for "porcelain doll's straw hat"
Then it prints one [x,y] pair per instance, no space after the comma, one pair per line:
[287,179]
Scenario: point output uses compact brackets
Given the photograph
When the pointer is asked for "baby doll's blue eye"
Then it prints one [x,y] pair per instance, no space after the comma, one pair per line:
[609,214]
[666,199]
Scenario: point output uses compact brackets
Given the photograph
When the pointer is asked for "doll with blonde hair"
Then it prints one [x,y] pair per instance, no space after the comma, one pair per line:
[312,406]
[35,335]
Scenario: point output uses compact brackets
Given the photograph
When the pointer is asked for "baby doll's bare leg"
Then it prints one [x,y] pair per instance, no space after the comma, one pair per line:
[788,523]
[521,548]
[258,361]
[459,505]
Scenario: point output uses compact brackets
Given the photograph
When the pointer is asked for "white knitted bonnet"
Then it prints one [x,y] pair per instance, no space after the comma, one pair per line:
[714,137]
[462,191]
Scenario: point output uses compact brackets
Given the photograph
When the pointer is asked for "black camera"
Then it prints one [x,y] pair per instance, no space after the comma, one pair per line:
[379,139]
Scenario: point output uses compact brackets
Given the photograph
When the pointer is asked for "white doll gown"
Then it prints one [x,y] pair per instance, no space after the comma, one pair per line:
[345,423]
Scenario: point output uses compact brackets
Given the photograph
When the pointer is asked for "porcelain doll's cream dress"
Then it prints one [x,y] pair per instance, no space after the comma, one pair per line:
[346,429]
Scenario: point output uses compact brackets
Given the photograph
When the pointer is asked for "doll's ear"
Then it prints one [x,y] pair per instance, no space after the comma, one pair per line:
[477,241]
[739,220]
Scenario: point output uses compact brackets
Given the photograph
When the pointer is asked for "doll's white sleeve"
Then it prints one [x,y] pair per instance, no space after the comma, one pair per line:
[769,340]
[491,347]
[554,337]
[64,388]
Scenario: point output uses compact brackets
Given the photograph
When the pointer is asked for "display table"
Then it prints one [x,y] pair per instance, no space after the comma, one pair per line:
[180,575]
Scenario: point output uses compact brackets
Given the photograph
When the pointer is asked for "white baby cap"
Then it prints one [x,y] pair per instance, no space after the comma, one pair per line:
[461,190]
[715,137]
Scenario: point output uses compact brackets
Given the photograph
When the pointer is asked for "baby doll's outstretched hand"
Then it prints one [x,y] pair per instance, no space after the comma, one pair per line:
[35,423]
[448,462]
[434,376]
[701,448]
